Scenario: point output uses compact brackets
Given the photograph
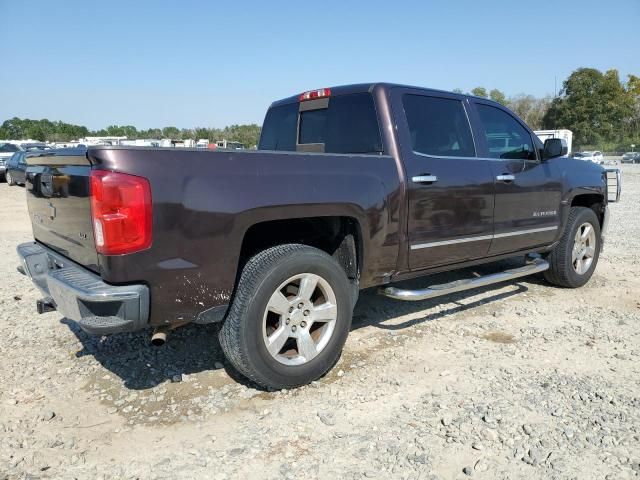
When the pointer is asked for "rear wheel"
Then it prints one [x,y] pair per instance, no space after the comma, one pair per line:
[290,316]
[9,179]
[573,260]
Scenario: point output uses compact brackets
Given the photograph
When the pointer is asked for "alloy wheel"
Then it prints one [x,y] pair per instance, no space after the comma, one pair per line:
[584,248]
[299,319]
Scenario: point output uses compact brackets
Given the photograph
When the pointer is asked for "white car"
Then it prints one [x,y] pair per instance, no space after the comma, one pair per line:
[7,149]
[595,156]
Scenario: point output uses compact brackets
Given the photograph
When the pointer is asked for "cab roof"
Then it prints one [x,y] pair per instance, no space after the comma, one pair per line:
[370,87]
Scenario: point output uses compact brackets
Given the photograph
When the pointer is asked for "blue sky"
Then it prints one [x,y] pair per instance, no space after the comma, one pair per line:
[206,63]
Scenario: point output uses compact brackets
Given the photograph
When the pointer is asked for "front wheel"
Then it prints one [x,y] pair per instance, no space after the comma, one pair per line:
[9,179]
[290,316]
[573,260]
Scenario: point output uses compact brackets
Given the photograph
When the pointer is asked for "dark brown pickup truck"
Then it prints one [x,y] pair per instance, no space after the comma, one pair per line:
[351,187]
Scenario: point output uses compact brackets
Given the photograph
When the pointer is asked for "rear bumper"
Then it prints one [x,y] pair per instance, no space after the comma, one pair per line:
[82,296]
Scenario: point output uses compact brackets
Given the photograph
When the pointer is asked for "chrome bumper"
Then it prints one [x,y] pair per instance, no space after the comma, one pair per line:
[614,190]
[82,296]
[614,184]
[605,225]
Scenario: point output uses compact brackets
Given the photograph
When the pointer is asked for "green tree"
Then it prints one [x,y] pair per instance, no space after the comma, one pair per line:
[592,104]
[497,96]
[529,108]
[172,133]
[43,130]
[479,92]
[201,132]
[633,123]
[248,135]
[186,134]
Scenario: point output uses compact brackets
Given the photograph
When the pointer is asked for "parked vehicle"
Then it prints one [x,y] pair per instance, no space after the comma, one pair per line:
[7,149]
[352,187]
[229,145]
[595,157]
[631,157]
[567,135]
[34,146]
[16,169]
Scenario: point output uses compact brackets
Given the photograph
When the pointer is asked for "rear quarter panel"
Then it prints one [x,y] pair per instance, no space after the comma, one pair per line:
[205,201]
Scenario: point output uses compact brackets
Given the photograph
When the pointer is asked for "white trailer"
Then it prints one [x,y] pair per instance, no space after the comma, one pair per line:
[567,135]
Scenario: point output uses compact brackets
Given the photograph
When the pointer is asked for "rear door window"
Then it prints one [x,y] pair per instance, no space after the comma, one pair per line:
[438,126]
[506,137]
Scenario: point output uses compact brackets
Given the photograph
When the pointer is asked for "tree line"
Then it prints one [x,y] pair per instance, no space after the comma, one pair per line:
[601,110]
[46,130]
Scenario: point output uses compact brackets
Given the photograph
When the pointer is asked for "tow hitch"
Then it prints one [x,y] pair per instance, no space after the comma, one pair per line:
[45,305]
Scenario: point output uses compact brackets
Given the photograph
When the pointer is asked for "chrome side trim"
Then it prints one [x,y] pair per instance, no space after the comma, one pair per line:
[448,157]
[536,266]
[451,242]
[524,232]
[482,237]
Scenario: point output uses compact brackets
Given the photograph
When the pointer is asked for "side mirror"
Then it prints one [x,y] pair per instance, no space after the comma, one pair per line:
[554,147]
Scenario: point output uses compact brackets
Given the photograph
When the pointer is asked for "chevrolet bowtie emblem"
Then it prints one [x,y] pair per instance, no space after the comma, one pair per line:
[52,211]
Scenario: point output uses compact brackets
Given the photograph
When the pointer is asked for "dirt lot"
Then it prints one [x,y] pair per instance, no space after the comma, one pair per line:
[521,381]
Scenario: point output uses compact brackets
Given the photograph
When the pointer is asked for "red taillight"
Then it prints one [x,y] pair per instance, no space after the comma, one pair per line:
[313,94]
[121,212]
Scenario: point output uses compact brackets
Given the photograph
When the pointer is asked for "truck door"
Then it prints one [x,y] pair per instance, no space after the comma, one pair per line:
[450,190]
[528,191]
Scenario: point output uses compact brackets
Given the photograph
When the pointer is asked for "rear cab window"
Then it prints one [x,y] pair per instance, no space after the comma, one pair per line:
[346,124]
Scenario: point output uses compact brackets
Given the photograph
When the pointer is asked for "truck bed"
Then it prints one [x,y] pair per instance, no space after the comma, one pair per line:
[203,204]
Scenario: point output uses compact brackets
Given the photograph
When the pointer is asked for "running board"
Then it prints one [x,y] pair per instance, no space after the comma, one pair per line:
[534,266]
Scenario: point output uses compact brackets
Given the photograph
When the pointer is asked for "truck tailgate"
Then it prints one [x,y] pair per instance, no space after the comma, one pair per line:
[59,204]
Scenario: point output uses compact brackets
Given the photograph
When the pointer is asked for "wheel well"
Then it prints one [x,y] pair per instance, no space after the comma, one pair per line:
[593,201]
[340,237]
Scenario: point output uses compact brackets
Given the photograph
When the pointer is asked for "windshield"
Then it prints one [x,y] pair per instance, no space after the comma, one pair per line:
[8,147]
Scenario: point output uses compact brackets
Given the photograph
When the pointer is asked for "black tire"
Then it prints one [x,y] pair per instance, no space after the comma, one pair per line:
[561,270]
[9,179]
[241,336]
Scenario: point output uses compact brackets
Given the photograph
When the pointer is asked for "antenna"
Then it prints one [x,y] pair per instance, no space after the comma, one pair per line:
[555,86]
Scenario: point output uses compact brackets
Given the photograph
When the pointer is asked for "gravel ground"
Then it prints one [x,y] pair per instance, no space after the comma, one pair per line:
[523,380]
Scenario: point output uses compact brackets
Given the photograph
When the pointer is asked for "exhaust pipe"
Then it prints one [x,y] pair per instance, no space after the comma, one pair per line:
[159,336]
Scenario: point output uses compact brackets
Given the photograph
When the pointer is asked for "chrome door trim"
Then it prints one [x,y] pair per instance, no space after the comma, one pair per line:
[524,232]
[451,242]
[479,238]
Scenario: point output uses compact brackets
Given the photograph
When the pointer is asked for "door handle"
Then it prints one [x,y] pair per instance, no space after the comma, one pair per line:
[505,178]
[424,179]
